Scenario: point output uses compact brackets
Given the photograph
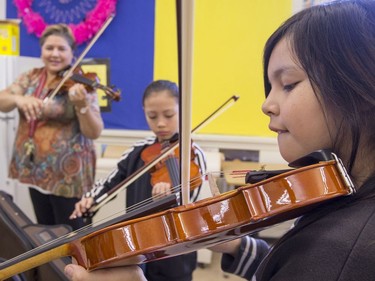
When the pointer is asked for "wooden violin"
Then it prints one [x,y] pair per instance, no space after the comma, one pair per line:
[167,170]
[90,80]
[202,224]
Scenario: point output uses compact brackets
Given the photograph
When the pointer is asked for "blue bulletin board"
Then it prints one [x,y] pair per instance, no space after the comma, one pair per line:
[127,42]
[141,45]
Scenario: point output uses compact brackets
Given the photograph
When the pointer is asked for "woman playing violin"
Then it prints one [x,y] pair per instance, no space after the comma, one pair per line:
[320,94]
[53,152]
[160,104]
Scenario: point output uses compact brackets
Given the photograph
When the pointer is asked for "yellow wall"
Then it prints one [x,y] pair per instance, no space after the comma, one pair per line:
[228,45]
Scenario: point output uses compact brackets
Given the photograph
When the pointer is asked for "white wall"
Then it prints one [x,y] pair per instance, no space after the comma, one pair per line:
[3,6]
[297,5]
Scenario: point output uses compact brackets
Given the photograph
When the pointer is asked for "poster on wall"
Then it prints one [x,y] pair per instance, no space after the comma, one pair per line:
[99,69]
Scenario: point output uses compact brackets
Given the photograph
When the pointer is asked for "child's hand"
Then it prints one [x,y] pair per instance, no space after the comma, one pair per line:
[161,189]
[82,207]
[78,273]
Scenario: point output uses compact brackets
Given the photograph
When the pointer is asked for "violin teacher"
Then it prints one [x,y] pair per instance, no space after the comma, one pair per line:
[320,94]
[161,108]
[54,152]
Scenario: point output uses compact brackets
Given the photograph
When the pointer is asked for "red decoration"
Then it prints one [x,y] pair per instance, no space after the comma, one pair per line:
[82,31]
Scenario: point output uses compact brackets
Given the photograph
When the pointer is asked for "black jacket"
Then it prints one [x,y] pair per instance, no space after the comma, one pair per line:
[129,163]
[335,242]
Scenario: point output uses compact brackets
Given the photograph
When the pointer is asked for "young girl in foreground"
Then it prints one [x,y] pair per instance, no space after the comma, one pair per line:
[320,86]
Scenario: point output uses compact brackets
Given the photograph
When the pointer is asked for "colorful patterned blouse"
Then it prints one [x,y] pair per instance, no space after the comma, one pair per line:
[63,162]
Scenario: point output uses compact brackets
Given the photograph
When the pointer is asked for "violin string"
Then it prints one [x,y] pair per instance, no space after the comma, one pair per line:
[174,189]
[85,228]
[173,170]
[172,165]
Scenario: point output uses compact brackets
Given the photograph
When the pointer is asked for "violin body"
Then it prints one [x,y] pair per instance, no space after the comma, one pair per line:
[210,221]
[204,223]
[89,80]
[167,170]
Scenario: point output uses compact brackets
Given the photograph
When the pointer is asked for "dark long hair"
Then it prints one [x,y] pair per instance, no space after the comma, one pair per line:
[335,45]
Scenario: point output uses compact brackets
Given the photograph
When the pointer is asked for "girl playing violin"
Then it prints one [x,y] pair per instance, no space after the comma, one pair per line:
[53,151]
[320,94]
[161,107]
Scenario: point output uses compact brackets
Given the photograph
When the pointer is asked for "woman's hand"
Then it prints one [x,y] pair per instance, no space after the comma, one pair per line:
[90,120]
[30,106]
[82,207]
[161,189]
[78,96]
[125,273]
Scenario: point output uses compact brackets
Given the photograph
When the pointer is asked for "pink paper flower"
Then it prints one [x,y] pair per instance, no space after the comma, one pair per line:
[82,31]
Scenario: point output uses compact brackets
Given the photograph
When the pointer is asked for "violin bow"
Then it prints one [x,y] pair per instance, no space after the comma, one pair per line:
[185,35]
[69,72]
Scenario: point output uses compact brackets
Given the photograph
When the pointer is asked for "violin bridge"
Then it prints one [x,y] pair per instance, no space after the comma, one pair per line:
[344,174]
